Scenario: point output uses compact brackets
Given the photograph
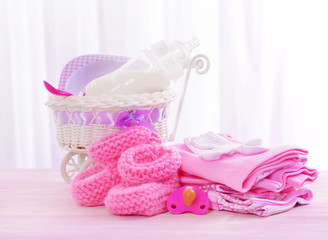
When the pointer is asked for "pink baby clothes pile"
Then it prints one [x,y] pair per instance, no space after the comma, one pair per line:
[89,188]
[149,174]
[265,204]
[249,173]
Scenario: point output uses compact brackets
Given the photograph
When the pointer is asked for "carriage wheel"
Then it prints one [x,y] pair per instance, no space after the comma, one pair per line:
[71,165]
[88,163]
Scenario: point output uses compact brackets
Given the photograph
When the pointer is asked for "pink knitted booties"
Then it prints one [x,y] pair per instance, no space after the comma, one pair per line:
[90,187]
[149,174]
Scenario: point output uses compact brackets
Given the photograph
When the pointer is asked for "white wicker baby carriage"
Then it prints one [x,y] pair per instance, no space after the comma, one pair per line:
[82,120]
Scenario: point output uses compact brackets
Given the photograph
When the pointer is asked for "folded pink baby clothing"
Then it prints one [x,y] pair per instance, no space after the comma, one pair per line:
[89,188]
[265,204]
[149,174]
[244,177]
[238,171]
[189,179]
[296,175]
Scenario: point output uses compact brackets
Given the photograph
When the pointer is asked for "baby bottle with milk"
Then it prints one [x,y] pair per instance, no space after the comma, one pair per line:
[152,70]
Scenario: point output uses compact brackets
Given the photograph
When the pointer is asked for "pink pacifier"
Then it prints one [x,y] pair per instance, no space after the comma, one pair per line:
[188,199]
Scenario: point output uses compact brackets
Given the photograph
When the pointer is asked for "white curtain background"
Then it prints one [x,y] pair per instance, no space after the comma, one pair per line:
[268,75]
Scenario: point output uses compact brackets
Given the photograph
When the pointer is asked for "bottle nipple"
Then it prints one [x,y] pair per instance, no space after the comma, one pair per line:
[189,196]
[181,51]
[191,44]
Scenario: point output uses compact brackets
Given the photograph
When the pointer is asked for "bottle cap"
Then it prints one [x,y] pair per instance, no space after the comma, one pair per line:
[174,57]
[181,51]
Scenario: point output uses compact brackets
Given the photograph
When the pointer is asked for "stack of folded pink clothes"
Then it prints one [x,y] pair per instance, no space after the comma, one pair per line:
[246,177]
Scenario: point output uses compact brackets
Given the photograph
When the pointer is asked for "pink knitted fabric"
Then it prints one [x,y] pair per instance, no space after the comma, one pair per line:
[90,187]
[114,145]
[149,174]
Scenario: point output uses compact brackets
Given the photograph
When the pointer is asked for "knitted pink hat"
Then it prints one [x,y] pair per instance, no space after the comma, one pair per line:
[90,187]
[148,177]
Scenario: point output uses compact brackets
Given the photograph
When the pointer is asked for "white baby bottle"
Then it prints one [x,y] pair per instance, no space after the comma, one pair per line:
[152,70]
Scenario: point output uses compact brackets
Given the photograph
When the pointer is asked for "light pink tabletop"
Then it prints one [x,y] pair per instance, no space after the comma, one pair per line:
[36,204]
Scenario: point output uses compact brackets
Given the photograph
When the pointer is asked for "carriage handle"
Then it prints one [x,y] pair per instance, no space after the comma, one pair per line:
[201,64]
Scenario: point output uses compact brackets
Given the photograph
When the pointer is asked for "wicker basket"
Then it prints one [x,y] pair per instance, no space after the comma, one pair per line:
[76,132]
[82,120]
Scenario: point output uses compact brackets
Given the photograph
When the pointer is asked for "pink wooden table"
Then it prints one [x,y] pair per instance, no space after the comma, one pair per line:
[36,204]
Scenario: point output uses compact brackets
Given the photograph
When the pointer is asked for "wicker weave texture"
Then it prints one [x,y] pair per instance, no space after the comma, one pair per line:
[76,137]
[73,137]
[111,103]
